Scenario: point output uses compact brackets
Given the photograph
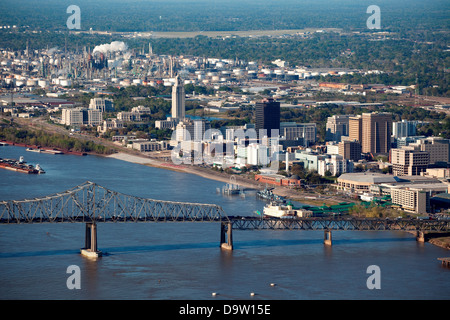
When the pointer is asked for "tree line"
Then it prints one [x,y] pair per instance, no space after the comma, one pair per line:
[44,139]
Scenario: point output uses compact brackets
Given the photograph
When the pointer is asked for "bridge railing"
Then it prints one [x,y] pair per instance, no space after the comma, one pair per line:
[90,202]
[338,223]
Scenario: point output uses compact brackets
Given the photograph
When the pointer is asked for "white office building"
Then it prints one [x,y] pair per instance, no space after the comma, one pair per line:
[258,155]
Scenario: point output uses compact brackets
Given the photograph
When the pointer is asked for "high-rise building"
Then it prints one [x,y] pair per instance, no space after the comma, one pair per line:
[350,150]
[94,117]
[355,128]
[404,128]
[304,133]
[437,147]
[337,126]
[178,100]
[192,130]
[409,162]
[376,132]
[72,117]
[81,116]
[267,118]
[104,105]
[257,154]
[335,164]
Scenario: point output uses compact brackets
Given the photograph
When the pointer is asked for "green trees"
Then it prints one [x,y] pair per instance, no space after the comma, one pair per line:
[43,139]
[439,123]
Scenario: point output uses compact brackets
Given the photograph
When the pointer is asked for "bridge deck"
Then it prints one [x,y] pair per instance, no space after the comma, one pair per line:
[340,223]
[91,203]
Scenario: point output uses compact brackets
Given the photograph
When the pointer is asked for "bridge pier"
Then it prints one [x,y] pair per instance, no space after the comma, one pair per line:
[90,241]
[420,236]
[327,239]
[226,236]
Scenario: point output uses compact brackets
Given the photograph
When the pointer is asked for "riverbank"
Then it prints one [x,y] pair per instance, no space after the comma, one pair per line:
[443,242]
[307,198]
[130,155]
[203,172]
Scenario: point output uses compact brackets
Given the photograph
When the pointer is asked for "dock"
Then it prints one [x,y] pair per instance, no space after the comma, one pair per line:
[445,262]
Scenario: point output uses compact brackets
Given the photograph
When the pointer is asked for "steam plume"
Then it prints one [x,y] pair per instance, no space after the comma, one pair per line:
[111,47]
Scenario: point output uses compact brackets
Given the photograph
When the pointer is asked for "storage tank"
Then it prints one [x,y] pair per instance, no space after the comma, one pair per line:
[43,83]
[32,83]
[65,82]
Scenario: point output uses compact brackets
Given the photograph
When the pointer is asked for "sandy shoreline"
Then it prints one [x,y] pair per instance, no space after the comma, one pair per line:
[181,168]
[307,199]
[246,183]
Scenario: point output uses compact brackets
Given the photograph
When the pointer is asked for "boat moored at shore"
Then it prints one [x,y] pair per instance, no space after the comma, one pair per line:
[268,194]
[277,210]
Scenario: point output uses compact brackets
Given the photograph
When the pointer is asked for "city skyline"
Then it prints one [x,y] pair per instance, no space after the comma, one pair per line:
[222,150]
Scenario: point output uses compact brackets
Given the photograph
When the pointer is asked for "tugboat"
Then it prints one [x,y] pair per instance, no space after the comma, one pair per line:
[268,194]
[39,169]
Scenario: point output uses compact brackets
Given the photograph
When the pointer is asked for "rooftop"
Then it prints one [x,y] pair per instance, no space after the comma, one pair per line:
[369,177]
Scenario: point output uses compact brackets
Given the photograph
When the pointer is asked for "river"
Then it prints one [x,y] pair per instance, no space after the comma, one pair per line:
[168,261]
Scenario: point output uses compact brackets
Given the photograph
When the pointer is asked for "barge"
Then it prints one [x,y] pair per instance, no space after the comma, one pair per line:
[20,166]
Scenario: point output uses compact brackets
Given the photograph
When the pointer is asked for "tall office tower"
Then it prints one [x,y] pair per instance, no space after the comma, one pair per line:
[376,132]
[355,128]
[404,128]
[178,100]
[337,126]
[267,117]
[304,133]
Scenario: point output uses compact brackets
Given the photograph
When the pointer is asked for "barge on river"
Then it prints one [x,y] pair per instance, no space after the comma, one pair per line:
[20,166]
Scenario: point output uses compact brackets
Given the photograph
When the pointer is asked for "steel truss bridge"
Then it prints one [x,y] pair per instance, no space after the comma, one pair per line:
[91,203]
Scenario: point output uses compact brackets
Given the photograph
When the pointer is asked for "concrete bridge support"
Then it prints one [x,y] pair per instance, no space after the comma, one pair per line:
[420,236]
[226,236]
[327,239]
[90,248]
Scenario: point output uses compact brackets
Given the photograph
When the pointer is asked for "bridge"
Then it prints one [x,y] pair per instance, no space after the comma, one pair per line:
[91,203]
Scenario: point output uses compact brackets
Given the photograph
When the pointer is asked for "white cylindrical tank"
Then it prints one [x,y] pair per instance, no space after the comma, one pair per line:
[43,83]
[65,82]
[32,82]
